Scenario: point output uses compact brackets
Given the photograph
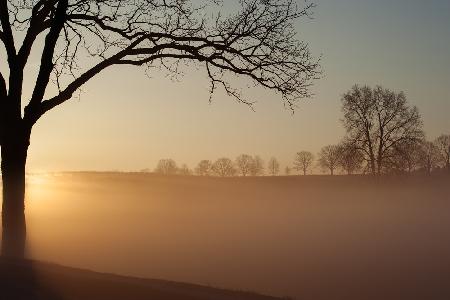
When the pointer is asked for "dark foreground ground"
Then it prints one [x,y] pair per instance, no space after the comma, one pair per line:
[31,280]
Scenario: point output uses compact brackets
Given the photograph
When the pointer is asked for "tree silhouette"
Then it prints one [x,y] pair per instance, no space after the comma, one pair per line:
[329,158]
[244,164]
[287,171]
[184,170]
[303,160]
[405,156]
[204,168]
[166,167]
[350,158]
[429,156]
[273,166]
[443,146]
[377,120]
[257,168]
[82,38]
[224,167]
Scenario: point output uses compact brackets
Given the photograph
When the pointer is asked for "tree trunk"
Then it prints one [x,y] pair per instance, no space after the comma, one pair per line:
[372,166]
[448,162]
[14,154]
[379,166]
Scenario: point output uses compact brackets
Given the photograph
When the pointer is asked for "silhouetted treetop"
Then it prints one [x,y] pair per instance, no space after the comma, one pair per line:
[303,161]
[273,166]
[329,158]
[204,168]
[257,41]
[443,146]
[428,156]
[166,167]
[223,167]
[350,158]
[377,120]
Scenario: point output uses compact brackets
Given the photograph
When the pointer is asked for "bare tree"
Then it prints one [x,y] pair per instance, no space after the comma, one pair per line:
[204,168]
[166,167]
[377,120]
[429,156]
[274,166]
[287,171]
[405,156]
[224,167]
[257,169]
[303,161]
[82,38]
[329,158]
[244,164]
[350,158]
[443,146]
[185,171]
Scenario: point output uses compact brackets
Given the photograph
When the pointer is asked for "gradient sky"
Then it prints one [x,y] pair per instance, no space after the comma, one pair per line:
[127,121]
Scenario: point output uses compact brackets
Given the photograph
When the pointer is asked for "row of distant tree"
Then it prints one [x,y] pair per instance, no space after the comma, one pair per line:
[384,135]
[412,156]
[244,165]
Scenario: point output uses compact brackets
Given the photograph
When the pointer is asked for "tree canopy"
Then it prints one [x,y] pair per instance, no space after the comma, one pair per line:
[257,41]
[377,120]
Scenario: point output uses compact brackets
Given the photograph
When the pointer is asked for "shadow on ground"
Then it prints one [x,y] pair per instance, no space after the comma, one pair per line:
[28,280]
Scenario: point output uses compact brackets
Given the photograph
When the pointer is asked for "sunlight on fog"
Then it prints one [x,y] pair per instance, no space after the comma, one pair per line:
[273,235]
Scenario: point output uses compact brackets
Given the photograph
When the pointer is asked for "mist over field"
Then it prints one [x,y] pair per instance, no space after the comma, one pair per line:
[229,110]
[313,237]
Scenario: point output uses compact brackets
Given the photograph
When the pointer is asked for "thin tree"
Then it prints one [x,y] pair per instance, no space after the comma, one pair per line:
[287,171]
[377,120]
[273,166]
[429,156]
[166,167]
[303,161]
[224,167]
[442,144]
[257,168]
[204,168]
[184,170]
[83,38]
[244,164]
[329,158]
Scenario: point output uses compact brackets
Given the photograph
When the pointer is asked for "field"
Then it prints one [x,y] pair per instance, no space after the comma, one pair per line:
[312,237]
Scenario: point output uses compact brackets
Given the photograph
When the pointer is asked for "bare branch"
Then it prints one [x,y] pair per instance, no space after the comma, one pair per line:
[6,35]
[257,42]
[46,68]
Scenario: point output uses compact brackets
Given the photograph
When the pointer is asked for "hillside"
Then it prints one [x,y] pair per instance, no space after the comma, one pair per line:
[31,280]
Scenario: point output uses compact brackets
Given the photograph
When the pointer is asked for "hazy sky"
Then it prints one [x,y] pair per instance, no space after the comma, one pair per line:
[127,121]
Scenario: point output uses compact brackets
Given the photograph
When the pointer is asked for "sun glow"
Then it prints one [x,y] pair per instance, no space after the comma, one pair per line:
[37,186]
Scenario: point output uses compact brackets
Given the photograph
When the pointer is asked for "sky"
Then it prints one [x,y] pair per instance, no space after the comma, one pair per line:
[127,121]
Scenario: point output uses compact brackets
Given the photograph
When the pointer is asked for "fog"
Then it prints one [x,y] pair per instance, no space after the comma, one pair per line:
[304,237]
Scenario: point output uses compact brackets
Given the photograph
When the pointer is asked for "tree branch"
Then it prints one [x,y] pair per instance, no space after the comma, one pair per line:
[7,36]
[57,24]
[3,95]
[3,91]
[38,24]
[258,42]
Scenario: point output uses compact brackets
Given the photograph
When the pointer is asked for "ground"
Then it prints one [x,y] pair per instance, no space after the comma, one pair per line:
[30,280]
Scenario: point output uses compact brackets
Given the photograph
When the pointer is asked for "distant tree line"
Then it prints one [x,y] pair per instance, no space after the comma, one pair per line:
[384,135]
[243,165]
